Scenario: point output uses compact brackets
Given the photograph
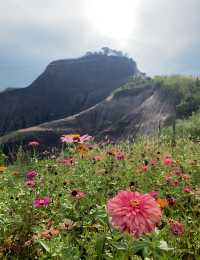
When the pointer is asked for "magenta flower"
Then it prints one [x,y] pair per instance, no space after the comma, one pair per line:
[33,143]
[31,175]
[134,212]
[176,228]
[39,202]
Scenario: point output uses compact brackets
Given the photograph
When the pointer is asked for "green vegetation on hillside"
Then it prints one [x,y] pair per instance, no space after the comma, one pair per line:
[133,86]
[182,91]
[185,91]
[189,127]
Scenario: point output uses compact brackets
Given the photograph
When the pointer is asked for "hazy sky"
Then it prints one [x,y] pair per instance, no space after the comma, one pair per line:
[162,36]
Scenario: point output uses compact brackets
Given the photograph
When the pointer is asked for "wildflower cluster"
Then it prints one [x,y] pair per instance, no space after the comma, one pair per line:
[102,201]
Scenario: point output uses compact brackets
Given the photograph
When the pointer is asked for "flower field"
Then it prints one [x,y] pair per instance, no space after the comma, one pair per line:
[102,201]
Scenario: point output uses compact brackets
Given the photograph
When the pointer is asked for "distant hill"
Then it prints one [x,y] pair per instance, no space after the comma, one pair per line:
[139,107]
[65,88]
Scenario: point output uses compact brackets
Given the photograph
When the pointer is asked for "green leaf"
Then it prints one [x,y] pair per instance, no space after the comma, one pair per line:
[44,245]
[100,243]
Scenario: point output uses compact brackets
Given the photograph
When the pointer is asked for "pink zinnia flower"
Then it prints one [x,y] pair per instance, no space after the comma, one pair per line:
[176,228]
[68,161]
[187,188]
[67,139]
[75,138]
[85,138]
[144,168]
[39,202]
[33,143]
[134,212]
[31,175]
[119,156]
[168,161]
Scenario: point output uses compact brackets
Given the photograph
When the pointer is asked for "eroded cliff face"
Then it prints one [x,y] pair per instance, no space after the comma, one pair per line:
[125,115]
[66,87]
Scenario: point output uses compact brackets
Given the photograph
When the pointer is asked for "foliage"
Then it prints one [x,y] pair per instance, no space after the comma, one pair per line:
[134,85]
[184,90]
[77,227]
[189,127]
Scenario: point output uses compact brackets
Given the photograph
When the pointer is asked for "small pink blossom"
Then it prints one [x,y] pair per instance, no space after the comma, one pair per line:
[168,161]
[176,228]
[68,161]
[39,202]
[67,139]
[187,188]
[33,143]
[120,156]
[134,212]
[144,168]
[31,175]
[85,138]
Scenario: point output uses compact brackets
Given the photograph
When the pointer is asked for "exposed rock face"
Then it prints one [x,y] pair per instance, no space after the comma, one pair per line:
[66,87]
[126,114]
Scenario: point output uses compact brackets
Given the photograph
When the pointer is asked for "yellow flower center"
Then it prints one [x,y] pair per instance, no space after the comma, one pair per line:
[135,202]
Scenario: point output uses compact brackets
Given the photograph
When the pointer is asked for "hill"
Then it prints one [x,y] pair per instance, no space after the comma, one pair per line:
[139,107]
[66,87]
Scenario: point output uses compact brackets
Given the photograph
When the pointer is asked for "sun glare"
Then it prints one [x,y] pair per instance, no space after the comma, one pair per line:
[115,19]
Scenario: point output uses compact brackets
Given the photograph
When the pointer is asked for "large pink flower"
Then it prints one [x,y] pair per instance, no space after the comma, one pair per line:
[134,212]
